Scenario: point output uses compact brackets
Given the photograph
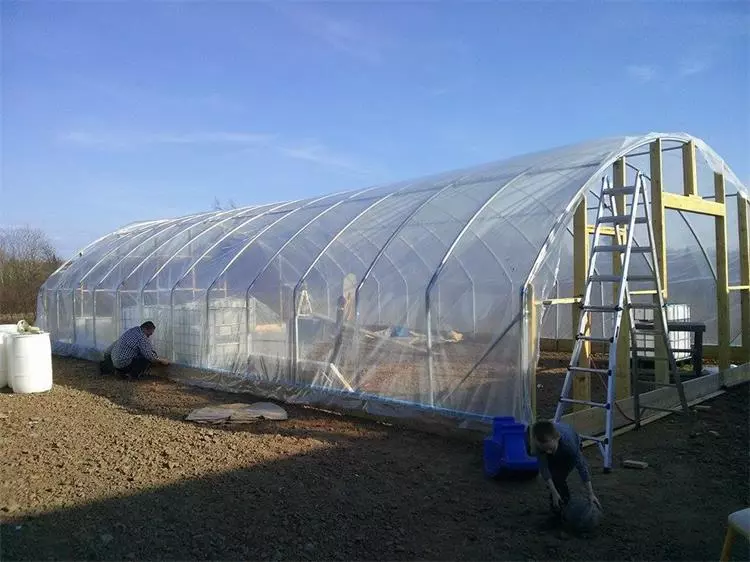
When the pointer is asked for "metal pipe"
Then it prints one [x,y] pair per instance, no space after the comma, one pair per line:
[294,352]
[441,266]
[208,251]
[284,245]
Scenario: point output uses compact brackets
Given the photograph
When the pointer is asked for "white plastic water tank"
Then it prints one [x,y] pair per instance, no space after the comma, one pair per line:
[5,331]
[30,362]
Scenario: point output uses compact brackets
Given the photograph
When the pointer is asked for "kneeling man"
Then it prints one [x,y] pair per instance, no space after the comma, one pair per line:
[131,355]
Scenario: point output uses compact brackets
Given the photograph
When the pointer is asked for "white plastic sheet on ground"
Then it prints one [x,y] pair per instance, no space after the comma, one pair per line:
[433,273]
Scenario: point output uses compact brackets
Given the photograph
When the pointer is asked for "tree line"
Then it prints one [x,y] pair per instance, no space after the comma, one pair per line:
[27,259]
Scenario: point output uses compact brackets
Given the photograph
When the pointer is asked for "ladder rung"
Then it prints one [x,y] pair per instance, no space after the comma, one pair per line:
[621,219]
[588,370]
[592,308]
[627,190]
[644,305]
[617,278]
[622,248]
[585,403]
[594,339]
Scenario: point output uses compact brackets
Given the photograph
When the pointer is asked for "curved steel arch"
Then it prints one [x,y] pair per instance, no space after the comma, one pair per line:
[193,241]
[441,265]
[640,142]
[294,351]
[151,235]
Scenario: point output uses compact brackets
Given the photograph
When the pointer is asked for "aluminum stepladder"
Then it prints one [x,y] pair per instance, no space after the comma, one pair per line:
[623,244]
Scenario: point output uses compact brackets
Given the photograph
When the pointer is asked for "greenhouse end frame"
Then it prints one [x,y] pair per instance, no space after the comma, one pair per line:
[440,348]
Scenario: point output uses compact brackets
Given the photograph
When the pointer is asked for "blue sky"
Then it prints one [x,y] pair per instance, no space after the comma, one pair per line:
[121,111]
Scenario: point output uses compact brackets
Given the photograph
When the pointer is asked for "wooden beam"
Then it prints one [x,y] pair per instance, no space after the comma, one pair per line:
[622,374]
[693,204]
[657,212]
[581,382]
[603,230]
[532,345]
[591,422]
[710,352]
[722,277]
[563,300]
[661,371]
[744,233]
[689,173]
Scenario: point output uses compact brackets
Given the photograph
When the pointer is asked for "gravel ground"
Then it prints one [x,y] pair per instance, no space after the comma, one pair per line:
[104,469]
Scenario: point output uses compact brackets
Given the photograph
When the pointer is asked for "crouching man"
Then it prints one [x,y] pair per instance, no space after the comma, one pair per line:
[559,452]
[132,354]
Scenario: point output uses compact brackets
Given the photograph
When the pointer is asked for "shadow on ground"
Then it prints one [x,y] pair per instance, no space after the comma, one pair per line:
[356,490]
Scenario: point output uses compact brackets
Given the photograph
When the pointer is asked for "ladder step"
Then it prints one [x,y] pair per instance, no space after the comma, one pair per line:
[622,248]
[588,370]
[644,305]
[585,403]
[617,278]
[621,219]
[591,308]
[627,190]
[594,339]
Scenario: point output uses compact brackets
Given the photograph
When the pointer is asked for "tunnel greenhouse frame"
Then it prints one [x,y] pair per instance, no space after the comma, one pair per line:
[450,287]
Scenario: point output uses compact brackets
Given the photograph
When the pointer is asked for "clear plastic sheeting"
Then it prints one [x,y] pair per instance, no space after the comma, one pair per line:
[408,300]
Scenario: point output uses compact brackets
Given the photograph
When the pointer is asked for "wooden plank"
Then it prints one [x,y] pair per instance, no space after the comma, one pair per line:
[689,173]
[722,278]
[657,212]
[710,352]
[744,234]
[581,382]
[562,300]
[604,230]
[739,287]
[591,422]
[532,345]
[622,373]
[661,370]
[693,204]
[736,375]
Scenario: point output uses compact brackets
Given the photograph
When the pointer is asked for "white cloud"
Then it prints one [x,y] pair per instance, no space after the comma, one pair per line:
[130,140]
[642,72]
[690,67]
[309,151]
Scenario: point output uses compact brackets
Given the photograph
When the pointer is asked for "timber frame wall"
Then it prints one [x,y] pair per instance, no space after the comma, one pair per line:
[661,200]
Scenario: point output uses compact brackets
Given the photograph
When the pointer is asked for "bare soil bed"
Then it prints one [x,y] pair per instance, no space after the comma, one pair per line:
[105,469]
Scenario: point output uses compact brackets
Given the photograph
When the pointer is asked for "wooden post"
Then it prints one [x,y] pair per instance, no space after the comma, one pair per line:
[532,344]
[661,368]
[722,277]
[622,381]
[689,174]
[744,233]
[581,382]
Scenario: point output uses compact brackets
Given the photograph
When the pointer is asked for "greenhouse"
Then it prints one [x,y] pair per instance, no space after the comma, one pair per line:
[429,298]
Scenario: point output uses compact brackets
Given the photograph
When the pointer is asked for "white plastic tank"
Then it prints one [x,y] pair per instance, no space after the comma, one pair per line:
[5,331]
[30,362]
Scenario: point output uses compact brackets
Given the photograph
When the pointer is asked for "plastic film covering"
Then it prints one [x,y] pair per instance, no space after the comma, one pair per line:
[416,300]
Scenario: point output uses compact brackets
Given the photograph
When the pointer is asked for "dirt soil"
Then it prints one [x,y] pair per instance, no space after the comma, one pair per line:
[105,469]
